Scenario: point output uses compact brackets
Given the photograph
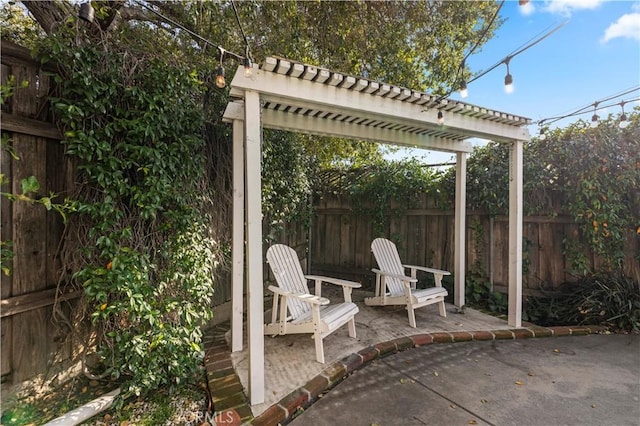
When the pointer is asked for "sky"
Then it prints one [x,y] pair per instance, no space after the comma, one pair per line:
[593,56]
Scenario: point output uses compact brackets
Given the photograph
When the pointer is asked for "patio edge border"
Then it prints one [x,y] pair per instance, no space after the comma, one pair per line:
[285,410]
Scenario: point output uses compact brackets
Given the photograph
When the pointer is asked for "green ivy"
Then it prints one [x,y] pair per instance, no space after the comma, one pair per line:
[590,174]
[134,124]
[387,181]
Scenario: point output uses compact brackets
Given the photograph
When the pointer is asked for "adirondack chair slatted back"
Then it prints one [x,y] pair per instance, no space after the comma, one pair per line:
[285,265]
[388,260]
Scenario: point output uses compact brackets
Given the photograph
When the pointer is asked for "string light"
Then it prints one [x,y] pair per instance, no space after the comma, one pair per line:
[246,62]
[584,109]
[463,90]
[440,117]
[508,79]
[463,85]
[542,136]
[220,81]
[86,12]
[623,118]
[594,117]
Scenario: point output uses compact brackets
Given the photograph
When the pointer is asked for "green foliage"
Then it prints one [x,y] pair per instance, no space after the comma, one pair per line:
[286,188]
[479,294]
[596,171]
[134,124]
[364,38]
[610,299]
[591,174]
[17,26]
[387,181]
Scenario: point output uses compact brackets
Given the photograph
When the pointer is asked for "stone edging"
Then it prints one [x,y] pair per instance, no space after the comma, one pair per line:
[288,407]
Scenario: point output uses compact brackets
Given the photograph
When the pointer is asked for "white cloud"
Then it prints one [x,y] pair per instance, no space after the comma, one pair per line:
[565,7]
[626,26]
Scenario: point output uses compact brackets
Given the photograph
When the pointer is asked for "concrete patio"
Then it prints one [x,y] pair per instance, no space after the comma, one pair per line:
[290,359]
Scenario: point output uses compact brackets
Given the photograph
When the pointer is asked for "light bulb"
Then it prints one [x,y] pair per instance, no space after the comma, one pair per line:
[86,12]
[440,117]
[246,62]
[594,120]
[542,136]
[220,81]
[508,83]
[623,121]
[463,90]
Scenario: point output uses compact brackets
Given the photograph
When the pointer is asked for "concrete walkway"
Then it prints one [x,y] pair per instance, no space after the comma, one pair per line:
[570,380]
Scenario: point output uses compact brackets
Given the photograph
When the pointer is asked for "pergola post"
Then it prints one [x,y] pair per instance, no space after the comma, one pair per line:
[255,308]
[237,267]
[460,229]
[515,233]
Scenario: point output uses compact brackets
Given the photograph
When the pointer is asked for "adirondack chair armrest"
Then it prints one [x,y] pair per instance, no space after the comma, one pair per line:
[429,270]
[336,281]
[304,297]
[399,276]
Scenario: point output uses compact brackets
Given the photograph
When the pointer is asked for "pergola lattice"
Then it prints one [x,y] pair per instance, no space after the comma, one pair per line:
[286,95]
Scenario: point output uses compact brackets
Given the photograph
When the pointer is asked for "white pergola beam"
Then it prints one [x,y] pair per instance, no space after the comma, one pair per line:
[284,89]
[274,119]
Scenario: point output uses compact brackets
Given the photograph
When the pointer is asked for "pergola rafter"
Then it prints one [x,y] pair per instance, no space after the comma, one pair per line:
[286,95]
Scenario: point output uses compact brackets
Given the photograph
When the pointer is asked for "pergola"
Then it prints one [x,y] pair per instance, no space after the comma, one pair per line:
[287,95]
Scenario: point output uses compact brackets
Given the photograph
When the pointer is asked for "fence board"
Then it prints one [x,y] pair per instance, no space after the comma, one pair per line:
[531,255]
[28,333]
[31,345]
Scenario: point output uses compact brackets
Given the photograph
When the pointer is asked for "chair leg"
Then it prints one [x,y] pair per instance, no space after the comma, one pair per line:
[412,316]
[443,309]
[317,336]
[352,327]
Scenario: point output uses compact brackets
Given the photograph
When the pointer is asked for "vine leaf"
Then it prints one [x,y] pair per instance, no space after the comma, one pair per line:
[29,185]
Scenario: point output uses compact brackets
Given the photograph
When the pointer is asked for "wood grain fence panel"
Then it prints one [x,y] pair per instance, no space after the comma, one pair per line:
[29,221]
[332,245]
[26,101]
[500,253]
[56,183]
[31,344]
[6,215]
[632,255]
[6,364]
[347,240]
[318,238]
[531,256]
[548,253]
[364,237]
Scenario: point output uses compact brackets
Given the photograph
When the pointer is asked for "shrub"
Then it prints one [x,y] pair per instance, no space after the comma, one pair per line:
[599,299]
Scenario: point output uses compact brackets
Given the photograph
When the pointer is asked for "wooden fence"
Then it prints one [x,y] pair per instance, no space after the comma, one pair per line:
[341,241]
[30,339]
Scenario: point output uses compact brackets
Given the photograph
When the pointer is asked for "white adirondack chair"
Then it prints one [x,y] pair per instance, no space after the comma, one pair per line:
[307,313]
[394,287]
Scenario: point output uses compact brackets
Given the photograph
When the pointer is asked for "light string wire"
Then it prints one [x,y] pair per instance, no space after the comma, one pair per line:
[244,36]
[595,105]
[222,50]
[512,55]
[475,46]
